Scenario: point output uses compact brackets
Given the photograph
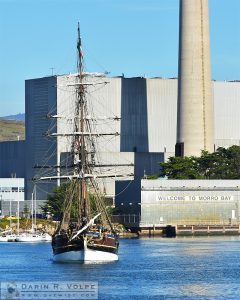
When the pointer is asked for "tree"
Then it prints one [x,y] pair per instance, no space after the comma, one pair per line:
[54,204]
[234,158]
[25,210]
[222,164]
[180,168]
[214,165]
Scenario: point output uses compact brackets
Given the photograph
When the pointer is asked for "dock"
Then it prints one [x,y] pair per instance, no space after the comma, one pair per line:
[133,224]
[207,229]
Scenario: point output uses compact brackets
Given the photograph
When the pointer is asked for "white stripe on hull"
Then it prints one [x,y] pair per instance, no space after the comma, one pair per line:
[70,256]
[85,256]
[99,256]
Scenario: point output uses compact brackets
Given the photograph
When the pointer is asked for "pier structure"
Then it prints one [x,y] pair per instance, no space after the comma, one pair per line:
[191,206]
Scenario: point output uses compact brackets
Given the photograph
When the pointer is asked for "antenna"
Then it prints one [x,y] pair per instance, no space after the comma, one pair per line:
[144,175]
[52,70]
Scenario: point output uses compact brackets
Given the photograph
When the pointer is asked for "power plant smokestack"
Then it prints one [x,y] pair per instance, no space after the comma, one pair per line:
[195,104]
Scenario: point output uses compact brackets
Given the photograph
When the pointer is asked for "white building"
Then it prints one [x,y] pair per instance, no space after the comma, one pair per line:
[11,192]
[12,189]
[190,202]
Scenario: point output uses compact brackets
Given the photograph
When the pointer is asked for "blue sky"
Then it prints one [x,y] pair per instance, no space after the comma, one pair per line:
[134,37]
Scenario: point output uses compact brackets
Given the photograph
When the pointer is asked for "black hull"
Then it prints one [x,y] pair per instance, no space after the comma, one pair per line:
[62,244]
[107,244]
[104,249]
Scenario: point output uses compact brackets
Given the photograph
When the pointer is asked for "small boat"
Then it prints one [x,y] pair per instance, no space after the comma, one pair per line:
[4,238]
[7,236]
[29,238]
[12,237]
[46,237]
[35,237]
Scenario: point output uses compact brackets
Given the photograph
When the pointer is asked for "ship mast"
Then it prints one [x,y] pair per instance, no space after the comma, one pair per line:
[81,139]
[83,160]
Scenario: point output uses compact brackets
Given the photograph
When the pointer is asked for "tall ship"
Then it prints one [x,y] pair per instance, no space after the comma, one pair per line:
[85,232]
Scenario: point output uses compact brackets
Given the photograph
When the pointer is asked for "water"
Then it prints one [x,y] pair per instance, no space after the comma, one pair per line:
[181,268]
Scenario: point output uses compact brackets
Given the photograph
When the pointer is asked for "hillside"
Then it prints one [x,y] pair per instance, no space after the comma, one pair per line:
[19,117]
[10,130]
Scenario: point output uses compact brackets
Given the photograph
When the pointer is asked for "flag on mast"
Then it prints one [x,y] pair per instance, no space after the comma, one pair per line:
[79,43]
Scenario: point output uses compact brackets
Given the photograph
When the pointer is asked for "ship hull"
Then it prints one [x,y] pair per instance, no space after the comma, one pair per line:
[85,256]
[69,256]
[80,251]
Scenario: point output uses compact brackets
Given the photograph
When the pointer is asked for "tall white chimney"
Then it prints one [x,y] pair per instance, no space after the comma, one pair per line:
[195,104]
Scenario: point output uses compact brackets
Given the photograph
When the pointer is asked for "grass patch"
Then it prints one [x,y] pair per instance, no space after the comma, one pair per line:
[10,130]
[24,223]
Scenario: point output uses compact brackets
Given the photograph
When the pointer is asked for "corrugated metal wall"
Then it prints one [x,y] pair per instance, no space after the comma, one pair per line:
[40,100]
[226,112]
[12,159]
[162,114]
[190,202]
[134,114]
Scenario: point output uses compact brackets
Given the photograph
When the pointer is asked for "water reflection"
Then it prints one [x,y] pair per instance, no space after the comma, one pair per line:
[201,289]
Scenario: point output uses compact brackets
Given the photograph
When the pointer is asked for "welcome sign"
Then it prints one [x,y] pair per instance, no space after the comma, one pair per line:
[194,198]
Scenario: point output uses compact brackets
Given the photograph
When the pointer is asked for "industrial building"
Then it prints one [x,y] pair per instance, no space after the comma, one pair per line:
[148,111]
[11,192]
[12,159]
[190,202]
[192,206]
